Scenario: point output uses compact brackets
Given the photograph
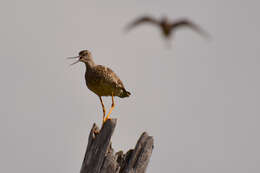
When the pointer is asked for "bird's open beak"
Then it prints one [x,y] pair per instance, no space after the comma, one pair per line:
[75,62]
[75,57]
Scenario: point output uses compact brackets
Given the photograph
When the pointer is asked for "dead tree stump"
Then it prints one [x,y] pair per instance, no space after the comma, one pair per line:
[100,156]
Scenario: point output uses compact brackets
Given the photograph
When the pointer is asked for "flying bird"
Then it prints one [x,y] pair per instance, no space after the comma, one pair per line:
[101,80]
[166,26]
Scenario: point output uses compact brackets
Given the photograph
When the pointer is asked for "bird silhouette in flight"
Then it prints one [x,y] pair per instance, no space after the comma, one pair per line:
[168,27]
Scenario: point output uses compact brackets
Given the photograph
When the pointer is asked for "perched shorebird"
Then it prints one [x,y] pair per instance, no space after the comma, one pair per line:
[166,26]
[101,80]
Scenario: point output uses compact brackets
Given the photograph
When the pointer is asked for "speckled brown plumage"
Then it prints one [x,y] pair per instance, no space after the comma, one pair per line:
[101,80]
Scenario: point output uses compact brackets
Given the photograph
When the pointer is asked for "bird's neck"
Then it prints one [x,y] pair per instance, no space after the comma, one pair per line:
[89,65]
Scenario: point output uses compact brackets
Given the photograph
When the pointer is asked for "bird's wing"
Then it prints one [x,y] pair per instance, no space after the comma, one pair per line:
[109,76]
[144,19]
[187,23]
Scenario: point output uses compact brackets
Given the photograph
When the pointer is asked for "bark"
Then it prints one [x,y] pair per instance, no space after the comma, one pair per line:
[100,156]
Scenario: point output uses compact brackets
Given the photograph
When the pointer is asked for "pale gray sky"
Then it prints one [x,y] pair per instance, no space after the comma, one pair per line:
[200,99]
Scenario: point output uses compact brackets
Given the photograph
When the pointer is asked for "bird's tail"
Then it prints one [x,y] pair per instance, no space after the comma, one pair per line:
[125,93]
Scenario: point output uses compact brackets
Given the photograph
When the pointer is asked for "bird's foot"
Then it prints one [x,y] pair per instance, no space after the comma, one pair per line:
[107,118]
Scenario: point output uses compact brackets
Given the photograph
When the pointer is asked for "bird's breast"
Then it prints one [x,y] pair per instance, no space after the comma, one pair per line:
[98,85]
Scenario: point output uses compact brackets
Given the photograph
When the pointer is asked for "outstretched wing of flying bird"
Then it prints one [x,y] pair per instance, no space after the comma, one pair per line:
[187,23]
[141,20]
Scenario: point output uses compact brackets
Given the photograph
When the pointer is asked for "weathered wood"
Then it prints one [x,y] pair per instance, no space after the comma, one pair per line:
[100,157]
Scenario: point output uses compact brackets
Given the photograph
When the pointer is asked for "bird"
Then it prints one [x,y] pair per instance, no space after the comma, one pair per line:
[101,80]
[166,26]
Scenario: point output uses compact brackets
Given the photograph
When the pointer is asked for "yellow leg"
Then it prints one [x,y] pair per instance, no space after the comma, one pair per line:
[112,107]
[104,109]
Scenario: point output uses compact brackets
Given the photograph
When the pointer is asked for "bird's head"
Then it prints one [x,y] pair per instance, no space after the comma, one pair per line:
[84,56]
[84,53]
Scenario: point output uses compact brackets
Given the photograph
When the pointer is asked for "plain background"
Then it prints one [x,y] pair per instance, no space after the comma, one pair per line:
[199,99]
